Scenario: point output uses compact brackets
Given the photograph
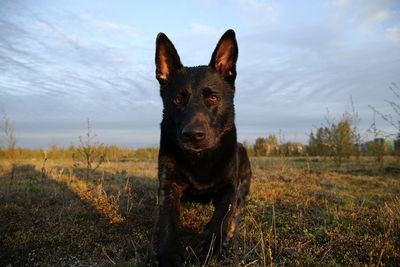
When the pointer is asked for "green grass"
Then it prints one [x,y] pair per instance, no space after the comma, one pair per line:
[301,211]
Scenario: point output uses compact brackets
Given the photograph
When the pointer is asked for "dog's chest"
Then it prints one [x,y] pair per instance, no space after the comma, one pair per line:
[207,179]
[201,184]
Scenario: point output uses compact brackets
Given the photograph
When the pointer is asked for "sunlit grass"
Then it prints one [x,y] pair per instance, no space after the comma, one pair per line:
[301,211]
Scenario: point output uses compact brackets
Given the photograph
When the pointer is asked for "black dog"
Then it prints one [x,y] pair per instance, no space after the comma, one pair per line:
[200,159]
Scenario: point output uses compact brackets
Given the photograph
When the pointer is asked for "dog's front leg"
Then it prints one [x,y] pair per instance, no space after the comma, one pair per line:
[218,230]
[170,250]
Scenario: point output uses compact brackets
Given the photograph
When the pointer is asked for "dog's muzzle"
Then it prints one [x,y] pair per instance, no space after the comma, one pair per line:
[193,134]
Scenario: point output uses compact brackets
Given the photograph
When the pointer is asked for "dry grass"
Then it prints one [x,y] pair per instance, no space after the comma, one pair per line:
[301,211]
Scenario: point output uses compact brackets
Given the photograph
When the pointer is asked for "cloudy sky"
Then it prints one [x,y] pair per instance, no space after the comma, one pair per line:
[64,61]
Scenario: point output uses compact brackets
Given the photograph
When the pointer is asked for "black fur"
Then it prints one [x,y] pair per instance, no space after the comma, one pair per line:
[200,159]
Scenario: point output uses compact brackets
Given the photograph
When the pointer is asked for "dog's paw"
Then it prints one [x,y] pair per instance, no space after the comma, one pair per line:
[209,246]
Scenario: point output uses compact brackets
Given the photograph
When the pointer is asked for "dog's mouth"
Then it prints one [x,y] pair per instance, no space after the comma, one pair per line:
[196,147]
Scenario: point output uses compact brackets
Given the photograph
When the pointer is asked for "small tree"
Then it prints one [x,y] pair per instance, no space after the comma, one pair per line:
[341,140]
[355,122]
[272,146]
[334,139]
[375,147]
[89,154]
[272,139]
[259,147]
[290,149]
[8,131]
[319,144]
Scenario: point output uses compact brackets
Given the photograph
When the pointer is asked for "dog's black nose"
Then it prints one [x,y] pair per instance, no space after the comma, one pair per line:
[193,133]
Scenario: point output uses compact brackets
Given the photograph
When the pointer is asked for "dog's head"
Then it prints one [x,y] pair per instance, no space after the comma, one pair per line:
[198,101]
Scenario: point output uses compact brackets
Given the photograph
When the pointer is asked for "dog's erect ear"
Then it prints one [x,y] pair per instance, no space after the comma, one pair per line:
[225,56]
[167,58]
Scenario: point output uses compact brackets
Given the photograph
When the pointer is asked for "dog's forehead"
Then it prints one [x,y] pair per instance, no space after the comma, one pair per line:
[197,78]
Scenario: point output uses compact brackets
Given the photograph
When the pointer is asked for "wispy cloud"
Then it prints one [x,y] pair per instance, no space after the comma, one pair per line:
[364,13]
[393,33]
[46,62]
[210,3]
[198,28]
[257,12]
[117,27]
[296,74]
[110,27]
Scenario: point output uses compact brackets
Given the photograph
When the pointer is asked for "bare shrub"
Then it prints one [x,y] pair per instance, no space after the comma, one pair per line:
[11,141]
[89,154]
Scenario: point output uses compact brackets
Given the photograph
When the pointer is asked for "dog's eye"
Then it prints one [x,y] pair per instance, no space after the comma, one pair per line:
[213,98]
[178,100]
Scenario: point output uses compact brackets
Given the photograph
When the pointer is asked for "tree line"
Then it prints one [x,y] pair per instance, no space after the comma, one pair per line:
[338,140]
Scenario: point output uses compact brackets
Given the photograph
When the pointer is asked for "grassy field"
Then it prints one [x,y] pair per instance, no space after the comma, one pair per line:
[301,211]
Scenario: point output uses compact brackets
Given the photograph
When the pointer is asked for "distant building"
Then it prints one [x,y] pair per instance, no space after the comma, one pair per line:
[363,147]
[389,145]
[295,149]
[397,144]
